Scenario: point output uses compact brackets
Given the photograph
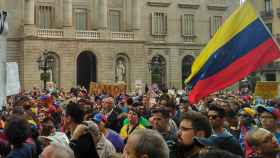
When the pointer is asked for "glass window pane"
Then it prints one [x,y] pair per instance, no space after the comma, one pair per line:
[80,19]
[114,20]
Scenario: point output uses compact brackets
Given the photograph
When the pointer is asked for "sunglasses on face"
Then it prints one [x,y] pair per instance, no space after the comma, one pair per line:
[243,115]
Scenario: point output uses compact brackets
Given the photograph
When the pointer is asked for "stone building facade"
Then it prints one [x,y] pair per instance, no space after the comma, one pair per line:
[111,41]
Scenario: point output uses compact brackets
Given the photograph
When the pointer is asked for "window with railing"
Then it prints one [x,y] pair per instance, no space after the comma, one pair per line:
[115,20]
[215,24]
[159,23]
[80,18]
[45,16]
[188,27]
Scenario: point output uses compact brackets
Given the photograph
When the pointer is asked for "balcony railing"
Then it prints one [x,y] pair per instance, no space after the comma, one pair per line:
[217,5]
[267,13]
[217,2]
[79,34]
[189,38]
[122,36]
[275,66]
[49,33]
[89,35]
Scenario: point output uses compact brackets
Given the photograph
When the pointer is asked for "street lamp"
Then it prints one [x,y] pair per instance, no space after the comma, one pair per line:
[155,62]
[45,63]
[157,66]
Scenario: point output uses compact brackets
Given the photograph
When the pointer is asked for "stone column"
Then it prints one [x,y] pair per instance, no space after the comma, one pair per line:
[3,60]
[29,12]
[129,15]
[136,9]
[59,13]
[93,14]
[67,13]
[103,14]
[2,4]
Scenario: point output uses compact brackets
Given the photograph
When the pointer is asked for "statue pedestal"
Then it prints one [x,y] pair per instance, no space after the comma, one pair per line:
[121,82]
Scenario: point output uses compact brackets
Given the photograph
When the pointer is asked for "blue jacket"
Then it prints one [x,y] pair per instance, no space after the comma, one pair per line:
[226,141]
[25,151]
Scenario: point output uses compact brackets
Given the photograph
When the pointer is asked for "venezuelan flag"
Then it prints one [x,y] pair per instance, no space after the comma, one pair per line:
[239,47]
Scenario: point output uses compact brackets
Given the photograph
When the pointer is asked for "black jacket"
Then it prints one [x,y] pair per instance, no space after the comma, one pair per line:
[84,147]
[113,122]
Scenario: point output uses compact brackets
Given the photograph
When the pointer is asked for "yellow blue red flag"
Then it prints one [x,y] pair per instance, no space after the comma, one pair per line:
[240,46]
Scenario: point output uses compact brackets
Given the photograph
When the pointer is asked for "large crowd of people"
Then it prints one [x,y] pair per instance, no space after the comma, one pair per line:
[156,124]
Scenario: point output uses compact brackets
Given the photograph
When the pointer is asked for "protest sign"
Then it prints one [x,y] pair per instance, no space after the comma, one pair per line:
[266,89]
[111,89]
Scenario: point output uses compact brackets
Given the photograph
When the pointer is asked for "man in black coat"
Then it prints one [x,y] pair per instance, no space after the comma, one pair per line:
[83,146]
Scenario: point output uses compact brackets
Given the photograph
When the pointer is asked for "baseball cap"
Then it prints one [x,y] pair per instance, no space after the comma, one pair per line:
[57,137]
[274,111]
[221,142]
[249,111]
[201,141]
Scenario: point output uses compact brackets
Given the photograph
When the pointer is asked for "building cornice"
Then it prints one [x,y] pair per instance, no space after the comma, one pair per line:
[174,44]
[217,7]
[158,4]
[146,43]
[188,6]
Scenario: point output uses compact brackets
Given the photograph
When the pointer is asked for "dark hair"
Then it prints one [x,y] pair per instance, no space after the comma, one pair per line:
[164,112]
[136,104]
[20,100]
[18,110]
[221,112]
[17,130]
[4,148]
[129,101]
[75,111]
[199,122]
[171,104]
[75,91]
[135,110]
[47,126]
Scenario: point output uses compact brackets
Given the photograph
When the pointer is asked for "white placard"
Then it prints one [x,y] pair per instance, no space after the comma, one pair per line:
[171,92]
[13,83]
[138,83]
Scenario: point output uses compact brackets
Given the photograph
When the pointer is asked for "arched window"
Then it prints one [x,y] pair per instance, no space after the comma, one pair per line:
[86,69]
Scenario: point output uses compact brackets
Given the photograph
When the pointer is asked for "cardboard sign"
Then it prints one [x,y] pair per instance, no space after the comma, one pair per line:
[112,89]
[267,89]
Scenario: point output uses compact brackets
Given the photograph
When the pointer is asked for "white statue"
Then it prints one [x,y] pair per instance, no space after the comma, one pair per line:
[3,56]
[121,71]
